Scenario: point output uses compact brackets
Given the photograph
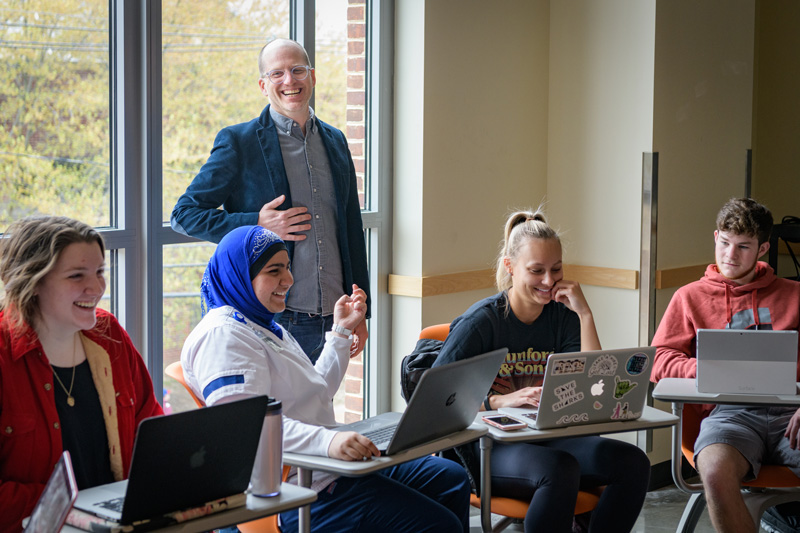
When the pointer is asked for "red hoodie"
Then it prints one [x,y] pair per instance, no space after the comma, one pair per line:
[714,302]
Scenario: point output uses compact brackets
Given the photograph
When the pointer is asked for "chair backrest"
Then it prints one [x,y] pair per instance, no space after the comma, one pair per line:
[789,233]
[438,332]
[175,371]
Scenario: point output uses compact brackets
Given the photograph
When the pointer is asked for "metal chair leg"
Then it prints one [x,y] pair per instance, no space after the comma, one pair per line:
[691,513]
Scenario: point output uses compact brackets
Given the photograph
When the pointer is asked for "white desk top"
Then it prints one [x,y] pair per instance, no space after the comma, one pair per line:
[291,497]
[651,418]
[362,468]
[683,390]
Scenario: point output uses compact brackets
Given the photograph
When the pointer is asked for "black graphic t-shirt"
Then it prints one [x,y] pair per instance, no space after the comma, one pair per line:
[486,326]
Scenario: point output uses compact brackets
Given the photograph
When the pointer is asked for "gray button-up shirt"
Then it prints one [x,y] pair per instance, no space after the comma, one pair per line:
[317,262]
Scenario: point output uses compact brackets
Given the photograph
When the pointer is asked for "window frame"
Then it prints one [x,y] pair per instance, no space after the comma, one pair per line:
[139,233]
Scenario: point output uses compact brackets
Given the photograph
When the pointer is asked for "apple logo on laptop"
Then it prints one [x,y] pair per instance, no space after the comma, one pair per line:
[450,400]
[597,388]
[198,458]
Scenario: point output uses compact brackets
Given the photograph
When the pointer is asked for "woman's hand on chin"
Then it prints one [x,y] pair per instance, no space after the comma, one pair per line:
[350,310]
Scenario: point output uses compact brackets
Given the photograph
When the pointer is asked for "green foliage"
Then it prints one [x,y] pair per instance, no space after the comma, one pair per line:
[55,112]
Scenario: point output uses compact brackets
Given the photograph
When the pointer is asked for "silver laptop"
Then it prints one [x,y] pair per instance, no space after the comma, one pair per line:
[56,500]
[590,388]
[182,461]
[738,361]
[445,401]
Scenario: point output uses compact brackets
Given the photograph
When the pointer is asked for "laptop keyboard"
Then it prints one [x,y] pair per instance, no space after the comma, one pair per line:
[380,436]
[113,505]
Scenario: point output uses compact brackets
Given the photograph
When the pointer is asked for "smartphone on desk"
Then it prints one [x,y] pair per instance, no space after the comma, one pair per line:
[504,422]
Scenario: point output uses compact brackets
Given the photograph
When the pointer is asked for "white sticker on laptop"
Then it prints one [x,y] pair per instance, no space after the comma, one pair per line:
[604,365]
[569,366]
[568,394]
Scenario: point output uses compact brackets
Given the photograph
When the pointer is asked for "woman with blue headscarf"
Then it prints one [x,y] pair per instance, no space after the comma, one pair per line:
[238,351]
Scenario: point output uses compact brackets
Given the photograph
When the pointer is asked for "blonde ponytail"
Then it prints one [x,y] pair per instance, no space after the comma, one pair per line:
[520,227]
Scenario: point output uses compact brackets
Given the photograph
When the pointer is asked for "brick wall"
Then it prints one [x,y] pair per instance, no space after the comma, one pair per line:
[356,136]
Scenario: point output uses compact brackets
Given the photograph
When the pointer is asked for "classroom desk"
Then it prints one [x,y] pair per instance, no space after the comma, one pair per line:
[651,418]
[683,390]
[307,463]
[291,497]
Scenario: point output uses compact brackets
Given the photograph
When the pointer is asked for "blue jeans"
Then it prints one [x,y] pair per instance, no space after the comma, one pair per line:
[308,330]
[428,494]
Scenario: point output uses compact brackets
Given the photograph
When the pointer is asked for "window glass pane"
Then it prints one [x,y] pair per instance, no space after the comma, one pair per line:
[340,94]
[210,77]
[54,107]
[184,265]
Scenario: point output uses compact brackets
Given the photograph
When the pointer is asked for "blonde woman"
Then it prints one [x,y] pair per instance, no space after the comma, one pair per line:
[536,313]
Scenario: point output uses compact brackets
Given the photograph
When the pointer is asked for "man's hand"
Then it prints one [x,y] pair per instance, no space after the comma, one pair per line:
[285,223]
[793,430]
[360,335]
[351,446]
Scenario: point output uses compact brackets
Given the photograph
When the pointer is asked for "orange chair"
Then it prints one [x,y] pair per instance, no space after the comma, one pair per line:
[771,487]
[175,371]
[512,509]
[268,524]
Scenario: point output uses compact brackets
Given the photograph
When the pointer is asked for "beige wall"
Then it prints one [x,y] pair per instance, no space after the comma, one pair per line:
[600,123]
[702,126]
[479,147]
[776,107]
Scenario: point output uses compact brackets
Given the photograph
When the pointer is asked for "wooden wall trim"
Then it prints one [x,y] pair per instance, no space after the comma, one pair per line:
[421,287]
[678,277]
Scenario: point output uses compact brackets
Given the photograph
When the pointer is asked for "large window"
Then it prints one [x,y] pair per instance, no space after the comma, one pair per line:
[110,107]
[55,148]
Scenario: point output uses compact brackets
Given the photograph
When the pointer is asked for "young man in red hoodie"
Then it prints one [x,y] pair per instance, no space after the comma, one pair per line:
[738,292]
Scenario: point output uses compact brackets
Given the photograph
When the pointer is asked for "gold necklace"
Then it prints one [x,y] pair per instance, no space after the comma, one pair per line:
[70,399]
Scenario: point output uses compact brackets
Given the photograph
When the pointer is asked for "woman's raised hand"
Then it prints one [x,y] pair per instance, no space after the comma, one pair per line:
[349,310]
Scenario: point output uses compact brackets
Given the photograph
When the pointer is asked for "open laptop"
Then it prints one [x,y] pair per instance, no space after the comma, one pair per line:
[590,388]
[739,361]
[56,500]
[182,461]
[446,400]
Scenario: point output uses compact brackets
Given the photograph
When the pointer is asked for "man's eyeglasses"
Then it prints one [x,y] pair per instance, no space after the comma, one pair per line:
[299,73]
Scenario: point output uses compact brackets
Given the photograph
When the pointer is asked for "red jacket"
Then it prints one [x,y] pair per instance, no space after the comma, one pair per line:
[30,438]
[714,302]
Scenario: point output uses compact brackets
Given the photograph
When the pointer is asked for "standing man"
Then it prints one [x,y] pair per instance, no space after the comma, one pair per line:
[291,173]
[738,292]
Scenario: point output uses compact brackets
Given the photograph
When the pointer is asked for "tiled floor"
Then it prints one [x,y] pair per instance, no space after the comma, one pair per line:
[661,514]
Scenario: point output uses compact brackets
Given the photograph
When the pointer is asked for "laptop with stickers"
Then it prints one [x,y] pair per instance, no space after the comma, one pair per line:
[746,361]
[590,388]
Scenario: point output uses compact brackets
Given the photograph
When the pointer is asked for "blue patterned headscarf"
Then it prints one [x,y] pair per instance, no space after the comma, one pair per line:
[228,279]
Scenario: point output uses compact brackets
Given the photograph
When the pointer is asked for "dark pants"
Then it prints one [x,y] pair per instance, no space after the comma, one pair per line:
[427,494]
[308,330]
[550,474]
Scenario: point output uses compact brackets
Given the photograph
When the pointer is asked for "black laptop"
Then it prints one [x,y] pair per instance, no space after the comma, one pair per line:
[182,461]
[445,401]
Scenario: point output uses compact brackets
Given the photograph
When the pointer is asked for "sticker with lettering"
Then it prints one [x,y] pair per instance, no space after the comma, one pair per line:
[637,363]
[568,394]
[604,365]
[569,366]
[622,387]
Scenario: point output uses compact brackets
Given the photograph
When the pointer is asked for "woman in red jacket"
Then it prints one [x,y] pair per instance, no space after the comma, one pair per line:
[70,377]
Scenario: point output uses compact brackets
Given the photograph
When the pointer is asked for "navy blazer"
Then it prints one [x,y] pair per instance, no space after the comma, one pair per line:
[245,171]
